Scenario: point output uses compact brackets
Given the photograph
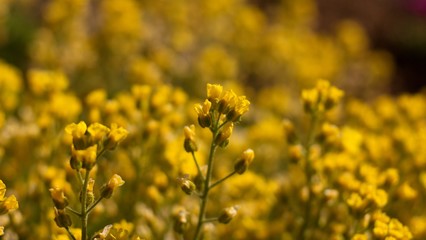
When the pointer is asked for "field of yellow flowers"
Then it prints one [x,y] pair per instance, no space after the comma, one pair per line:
[138,119]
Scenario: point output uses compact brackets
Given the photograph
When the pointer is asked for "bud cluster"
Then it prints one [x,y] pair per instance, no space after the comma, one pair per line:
[89,142]
[221,108]
[321,98]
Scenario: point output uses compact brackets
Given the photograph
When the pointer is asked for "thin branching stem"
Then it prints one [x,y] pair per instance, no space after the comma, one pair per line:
[70,233]
[94,205]
[308,174]
[84,214]
[204,196]
[221,180]
[73,211]
[198,166]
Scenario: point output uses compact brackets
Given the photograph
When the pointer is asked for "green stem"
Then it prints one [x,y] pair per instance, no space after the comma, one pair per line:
[198,166]
[206,189]
[84,214]
[79,177]
[69,233]
[73,211]
[93,205]
[308,174]
[221,180]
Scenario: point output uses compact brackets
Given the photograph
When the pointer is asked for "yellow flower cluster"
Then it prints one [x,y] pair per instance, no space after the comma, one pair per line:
[389,228]
[89,142]
[7,204]
[322,98]
[137,67]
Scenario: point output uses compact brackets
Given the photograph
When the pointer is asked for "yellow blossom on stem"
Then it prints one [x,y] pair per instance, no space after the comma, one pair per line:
[214,91]
[97,132]
[77,131]
[228,214]
[222,137]
[113,183]
[58,197]
[9,203]
[85,158]
[241,107]
[189,143]
[227,102]
[245,160]
[115,136]
[203,112]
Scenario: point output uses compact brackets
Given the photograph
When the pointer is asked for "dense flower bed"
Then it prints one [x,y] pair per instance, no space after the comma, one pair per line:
[127,119]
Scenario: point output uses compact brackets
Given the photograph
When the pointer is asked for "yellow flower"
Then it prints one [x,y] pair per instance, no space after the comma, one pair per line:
[203,111]
[97,132]
[189,143]
[1,230]
[228,214]
[141,92]
[44,81]
[113,183]
[405,191]
[76,130]
[356,202]
[310,99]
[85,158]
[241,107]
[222,138]
[8,204]
[380,229]
[245,160]
[227,102]
[214,92]
[58,197]
[321,98]
[96,98]
[115,136]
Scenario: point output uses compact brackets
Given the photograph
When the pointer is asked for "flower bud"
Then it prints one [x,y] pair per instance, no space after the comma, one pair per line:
[241,107]
[187,186]
[85,158]
[296,153]
[58,197]
[203,111]
[228,214]
[245,160]
[77,131]
[115,136]
[214,91]
[223,136]
[97,132]
[10,203]
[189,144]
[62,219]
[90,195]
[181,223]
[333,97]
[289,132]
[108,189]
